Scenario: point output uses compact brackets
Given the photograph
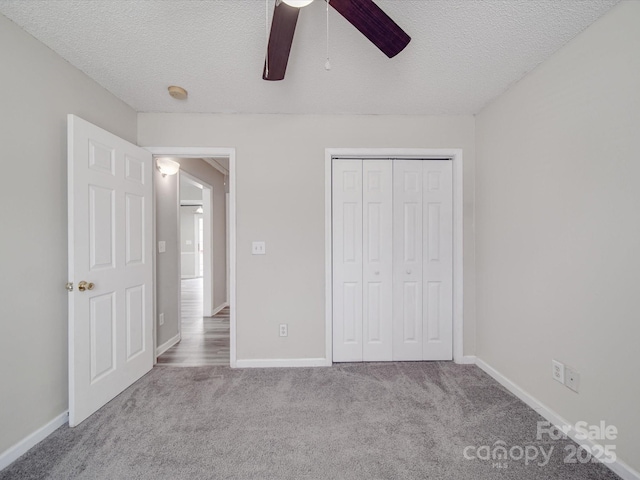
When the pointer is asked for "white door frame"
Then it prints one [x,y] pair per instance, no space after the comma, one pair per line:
[406,153]
[200,152]
[209,266]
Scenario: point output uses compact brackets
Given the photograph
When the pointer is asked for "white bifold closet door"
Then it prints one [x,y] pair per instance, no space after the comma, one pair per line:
[422,260]
[392,260]
[363,256]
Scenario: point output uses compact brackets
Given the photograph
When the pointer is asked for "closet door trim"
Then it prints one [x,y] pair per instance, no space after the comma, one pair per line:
[456,156]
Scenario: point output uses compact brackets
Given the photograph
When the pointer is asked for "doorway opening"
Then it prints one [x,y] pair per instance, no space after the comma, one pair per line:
[195,273]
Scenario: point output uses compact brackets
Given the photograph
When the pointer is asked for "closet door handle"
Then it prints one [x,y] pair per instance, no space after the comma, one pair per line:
[409,272]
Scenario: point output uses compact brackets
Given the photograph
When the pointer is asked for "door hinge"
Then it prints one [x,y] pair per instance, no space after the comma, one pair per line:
[69,286]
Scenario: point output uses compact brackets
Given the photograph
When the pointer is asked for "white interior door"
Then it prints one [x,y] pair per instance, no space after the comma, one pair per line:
[110,248]
[437,340]
[407,260]
[347,260]
[377,259]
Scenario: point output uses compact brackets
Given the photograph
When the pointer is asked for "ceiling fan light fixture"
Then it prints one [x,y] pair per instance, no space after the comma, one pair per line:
[297,3]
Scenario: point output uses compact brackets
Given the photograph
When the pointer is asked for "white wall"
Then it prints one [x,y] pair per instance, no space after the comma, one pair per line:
[189,240]
[189,256]
[189,192]
[558,229]
[280,199]
[39,90]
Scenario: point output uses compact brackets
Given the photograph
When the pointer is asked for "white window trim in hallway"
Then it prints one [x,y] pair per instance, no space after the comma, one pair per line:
[200,152]
[456,156]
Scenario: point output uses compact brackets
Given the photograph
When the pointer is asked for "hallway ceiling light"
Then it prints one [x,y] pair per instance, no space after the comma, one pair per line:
[297,3]
[166,166]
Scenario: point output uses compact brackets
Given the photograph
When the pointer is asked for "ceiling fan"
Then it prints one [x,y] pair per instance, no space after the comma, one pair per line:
[365,15]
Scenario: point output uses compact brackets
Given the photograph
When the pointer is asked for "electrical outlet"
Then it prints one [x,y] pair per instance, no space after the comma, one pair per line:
[258,248]
[161,319]
[284,330]
[557,371]
[571,378]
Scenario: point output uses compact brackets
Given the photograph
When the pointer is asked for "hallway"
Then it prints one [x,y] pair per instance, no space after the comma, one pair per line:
[205,341]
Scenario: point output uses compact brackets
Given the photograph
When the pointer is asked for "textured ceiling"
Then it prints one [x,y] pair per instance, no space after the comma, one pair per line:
[463,53]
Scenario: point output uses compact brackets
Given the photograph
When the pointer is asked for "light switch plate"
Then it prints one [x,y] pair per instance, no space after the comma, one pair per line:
[162,247]
[258,248]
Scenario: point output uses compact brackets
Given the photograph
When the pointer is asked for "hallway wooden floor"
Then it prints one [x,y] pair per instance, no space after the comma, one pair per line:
[205,341]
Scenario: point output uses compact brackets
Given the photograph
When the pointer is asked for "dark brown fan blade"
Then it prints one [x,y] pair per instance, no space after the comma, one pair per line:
[374,24]
[283,27]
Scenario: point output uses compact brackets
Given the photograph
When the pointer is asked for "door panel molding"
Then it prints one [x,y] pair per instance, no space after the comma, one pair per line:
[377,259]
[347,273]
[407,259]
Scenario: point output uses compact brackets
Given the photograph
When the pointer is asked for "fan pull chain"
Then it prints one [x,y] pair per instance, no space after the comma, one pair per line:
[327,64]
[266,31]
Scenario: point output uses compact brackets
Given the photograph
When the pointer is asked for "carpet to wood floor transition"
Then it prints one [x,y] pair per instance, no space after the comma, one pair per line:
[350,421]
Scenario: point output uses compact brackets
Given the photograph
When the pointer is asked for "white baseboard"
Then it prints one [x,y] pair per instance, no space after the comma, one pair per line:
[466,360]
[618,467]
[219,309]
[167,345]
[285,362]
[23,446]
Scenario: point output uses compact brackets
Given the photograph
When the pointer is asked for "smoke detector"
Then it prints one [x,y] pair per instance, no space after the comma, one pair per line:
[178,93]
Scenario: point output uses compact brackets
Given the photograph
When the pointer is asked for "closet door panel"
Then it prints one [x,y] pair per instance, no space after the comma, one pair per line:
[407,260]
[347,260]
[438,260]
[377,254]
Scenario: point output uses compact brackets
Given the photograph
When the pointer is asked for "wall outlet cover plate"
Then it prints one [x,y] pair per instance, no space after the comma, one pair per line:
[258,248]
[572,378]
[557,371]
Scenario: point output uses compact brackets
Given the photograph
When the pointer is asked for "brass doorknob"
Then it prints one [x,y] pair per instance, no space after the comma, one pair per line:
[82,286]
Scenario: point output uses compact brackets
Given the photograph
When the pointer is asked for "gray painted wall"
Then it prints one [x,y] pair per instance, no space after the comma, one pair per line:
[168,264]
[558,228]
[40,89]
[280,199]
